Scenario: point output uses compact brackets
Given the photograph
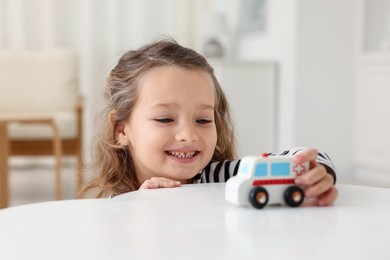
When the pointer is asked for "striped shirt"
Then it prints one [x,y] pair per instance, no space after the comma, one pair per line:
[221,171]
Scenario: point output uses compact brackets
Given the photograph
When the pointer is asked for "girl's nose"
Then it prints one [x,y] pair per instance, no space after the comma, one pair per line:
[186,133]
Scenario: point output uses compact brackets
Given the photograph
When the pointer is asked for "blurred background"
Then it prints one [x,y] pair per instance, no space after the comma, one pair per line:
[302,72]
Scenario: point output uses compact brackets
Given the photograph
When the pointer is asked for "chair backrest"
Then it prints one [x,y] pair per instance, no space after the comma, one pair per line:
[36,81]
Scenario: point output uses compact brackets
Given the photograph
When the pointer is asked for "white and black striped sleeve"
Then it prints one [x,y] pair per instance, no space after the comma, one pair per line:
[219,171]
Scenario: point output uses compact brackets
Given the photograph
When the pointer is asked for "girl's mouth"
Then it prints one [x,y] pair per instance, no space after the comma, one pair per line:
[182,155]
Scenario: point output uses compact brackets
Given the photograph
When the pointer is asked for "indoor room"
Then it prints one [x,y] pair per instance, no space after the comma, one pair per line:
[296,74]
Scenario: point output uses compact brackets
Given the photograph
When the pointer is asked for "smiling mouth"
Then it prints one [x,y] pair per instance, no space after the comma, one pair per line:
[183,155]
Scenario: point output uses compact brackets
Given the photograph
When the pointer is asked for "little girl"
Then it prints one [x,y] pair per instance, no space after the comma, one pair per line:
[167,123]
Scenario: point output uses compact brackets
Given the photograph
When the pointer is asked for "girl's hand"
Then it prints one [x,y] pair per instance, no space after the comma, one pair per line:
[319,183]
[159,182]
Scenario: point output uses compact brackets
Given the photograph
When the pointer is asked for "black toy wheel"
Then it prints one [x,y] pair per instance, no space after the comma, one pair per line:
[294,196]
[258,197]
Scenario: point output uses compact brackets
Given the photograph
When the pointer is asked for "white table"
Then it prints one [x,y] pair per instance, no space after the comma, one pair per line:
[195,222]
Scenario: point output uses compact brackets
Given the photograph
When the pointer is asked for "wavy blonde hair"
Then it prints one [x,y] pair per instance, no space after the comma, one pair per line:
[113,164]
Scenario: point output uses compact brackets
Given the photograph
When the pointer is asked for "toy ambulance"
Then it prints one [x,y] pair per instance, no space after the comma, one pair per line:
[266,180]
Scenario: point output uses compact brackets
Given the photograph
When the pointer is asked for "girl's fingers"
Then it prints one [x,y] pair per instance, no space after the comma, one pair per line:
[328,197]
[318,182]
[159,182]
[312,176]
[319,188]
[306,155]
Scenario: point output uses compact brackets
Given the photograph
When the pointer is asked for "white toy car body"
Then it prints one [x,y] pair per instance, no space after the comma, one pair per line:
[266,180]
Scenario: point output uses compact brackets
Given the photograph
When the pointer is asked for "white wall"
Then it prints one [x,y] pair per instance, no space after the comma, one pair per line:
[324,83]
[277,44]
[250,90]
[313,41]
[372,124]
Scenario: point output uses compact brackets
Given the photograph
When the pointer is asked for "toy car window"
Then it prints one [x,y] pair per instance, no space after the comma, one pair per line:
[244,169]
[280,169]
[261,170]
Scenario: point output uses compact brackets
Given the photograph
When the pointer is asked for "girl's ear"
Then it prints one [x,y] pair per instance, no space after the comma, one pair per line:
[119,128]
[121,135]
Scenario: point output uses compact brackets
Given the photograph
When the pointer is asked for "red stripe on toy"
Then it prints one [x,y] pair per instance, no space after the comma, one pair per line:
[273,182]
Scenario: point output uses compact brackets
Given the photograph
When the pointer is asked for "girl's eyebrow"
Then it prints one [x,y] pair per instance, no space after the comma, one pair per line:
[174,105]
[164,105]
[206,107]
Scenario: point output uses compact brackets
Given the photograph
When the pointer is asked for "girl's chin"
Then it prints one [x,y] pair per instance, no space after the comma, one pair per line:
[184,181]
[182,176]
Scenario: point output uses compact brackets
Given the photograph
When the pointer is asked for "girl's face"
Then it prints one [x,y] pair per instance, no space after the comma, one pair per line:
[171,130]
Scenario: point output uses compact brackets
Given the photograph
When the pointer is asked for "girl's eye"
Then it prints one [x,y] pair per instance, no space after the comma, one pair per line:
[204,121]
[164,120]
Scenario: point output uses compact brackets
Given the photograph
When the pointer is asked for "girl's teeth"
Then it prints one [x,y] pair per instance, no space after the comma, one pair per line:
[182,155]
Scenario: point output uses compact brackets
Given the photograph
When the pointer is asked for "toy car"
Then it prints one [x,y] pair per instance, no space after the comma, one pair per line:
[266,180]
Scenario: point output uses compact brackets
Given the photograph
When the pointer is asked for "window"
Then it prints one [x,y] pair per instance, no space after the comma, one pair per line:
[280,169]
[261,170]
[244,169]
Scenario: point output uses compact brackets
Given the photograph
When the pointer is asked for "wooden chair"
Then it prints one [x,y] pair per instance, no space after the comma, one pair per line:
[40,110]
